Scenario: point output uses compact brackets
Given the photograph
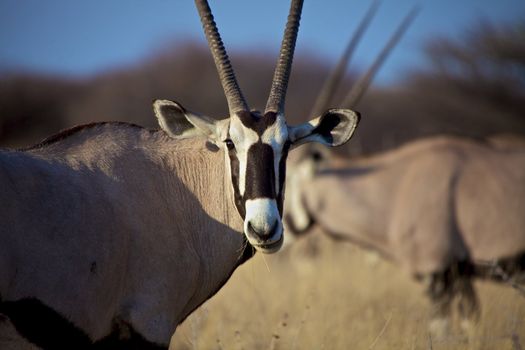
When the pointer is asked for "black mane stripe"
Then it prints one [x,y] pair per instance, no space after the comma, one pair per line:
[63,134]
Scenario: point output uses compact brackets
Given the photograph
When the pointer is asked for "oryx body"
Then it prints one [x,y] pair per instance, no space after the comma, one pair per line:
[437,207]
[95,228]
[112,234]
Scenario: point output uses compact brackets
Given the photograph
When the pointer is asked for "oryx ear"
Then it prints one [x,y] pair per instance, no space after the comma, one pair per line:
[177,122]
[333,128]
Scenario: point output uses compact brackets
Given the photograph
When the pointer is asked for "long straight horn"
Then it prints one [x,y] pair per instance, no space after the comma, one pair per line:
[284,64]
[236,101]
[333,81]
[359,88]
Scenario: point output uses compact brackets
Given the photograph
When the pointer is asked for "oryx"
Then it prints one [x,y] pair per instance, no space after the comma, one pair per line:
[446,209]
[112,234]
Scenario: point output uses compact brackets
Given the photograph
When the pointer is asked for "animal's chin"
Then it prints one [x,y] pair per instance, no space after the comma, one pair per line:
[268,248]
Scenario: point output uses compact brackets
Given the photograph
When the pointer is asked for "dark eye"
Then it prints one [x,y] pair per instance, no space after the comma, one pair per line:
[229,144]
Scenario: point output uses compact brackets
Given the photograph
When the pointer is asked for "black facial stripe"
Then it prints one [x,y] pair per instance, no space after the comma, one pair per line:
[282,176]
[260,173]
[234,165]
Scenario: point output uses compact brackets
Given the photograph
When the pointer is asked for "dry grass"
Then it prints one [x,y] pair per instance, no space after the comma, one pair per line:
[340,299]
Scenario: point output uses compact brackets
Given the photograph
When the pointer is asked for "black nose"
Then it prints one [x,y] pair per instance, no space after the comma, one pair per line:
[261,233]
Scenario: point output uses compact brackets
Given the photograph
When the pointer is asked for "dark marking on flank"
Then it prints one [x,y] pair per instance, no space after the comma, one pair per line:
[49,330]
[43,326]
[512,267]
[93,267]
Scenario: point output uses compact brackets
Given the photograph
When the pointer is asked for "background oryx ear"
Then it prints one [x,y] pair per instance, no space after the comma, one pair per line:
[177,122]
[333,128]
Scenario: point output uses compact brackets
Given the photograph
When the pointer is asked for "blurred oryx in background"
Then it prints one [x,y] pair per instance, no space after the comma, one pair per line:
[446,209]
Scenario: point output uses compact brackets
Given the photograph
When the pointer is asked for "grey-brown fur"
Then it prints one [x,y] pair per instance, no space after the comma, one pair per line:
[438,207]
[95,225]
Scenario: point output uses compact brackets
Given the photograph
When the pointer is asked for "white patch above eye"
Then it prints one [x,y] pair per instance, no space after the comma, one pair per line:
[242,136]
[276,134]
[234,133]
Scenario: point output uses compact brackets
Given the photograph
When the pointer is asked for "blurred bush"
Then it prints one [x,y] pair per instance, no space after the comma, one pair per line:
[474,87]
[32,106]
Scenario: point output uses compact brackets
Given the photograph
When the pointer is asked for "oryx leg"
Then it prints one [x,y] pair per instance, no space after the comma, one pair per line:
[439,289]
[468,304]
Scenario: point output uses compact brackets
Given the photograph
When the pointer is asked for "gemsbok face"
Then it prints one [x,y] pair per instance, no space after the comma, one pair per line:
[256,144]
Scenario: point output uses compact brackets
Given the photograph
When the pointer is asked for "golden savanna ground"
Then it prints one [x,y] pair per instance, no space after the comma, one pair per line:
[343,298]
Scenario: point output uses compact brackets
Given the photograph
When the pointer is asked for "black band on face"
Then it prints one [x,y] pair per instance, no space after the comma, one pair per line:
[260,164]
[282,176]
[234,166]
[260,173]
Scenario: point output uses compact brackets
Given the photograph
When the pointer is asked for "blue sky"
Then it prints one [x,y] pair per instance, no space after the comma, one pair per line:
[81,38]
